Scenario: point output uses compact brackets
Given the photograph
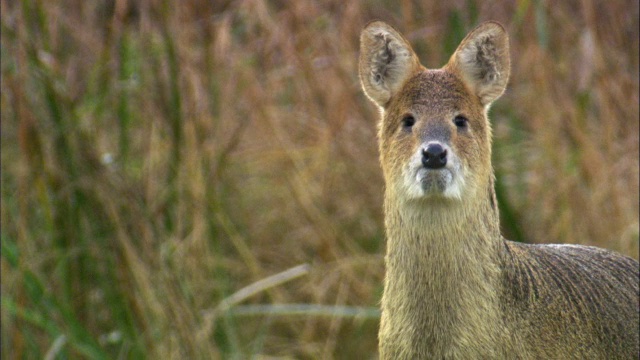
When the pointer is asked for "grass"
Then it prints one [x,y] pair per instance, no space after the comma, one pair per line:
[164,164]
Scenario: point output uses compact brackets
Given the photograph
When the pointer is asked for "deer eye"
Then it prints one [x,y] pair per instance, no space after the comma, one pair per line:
[408,121]
[460,121]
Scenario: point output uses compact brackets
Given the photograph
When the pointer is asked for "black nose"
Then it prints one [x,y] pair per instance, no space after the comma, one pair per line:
[434,156]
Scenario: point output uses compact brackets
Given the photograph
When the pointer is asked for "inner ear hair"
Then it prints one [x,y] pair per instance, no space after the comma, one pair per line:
[386,61]
[482,60]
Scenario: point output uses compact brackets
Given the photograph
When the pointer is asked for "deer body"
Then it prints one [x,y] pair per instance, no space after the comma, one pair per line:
[454,288]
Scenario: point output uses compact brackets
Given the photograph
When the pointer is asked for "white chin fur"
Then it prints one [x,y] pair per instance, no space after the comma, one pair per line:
[447,182]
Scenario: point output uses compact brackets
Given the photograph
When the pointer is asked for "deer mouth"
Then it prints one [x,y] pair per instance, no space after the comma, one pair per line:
[422,183]
[434,181]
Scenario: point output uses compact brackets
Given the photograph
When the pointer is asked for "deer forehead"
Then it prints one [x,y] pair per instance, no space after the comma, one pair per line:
[432,94]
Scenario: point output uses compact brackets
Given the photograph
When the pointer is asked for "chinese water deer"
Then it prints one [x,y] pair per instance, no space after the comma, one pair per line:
[454,287]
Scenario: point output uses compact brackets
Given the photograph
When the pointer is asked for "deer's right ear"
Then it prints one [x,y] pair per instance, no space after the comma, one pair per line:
[386,62]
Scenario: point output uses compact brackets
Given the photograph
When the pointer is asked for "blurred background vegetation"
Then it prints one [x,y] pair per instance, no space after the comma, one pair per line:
[159,156]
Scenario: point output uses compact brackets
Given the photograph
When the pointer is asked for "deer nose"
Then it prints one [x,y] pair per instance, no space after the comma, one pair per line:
[434,156]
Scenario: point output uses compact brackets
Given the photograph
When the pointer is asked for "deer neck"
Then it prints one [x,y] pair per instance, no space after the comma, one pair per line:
[442,278]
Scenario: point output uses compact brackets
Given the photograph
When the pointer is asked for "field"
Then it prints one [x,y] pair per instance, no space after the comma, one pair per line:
[199,179]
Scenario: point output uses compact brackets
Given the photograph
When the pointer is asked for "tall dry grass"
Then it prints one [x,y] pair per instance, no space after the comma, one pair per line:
[158,157]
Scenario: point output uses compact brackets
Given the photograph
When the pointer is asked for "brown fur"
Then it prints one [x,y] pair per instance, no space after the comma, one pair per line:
[454,288]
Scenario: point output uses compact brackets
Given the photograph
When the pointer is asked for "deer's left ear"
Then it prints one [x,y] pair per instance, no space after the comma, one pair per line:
[482,61]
